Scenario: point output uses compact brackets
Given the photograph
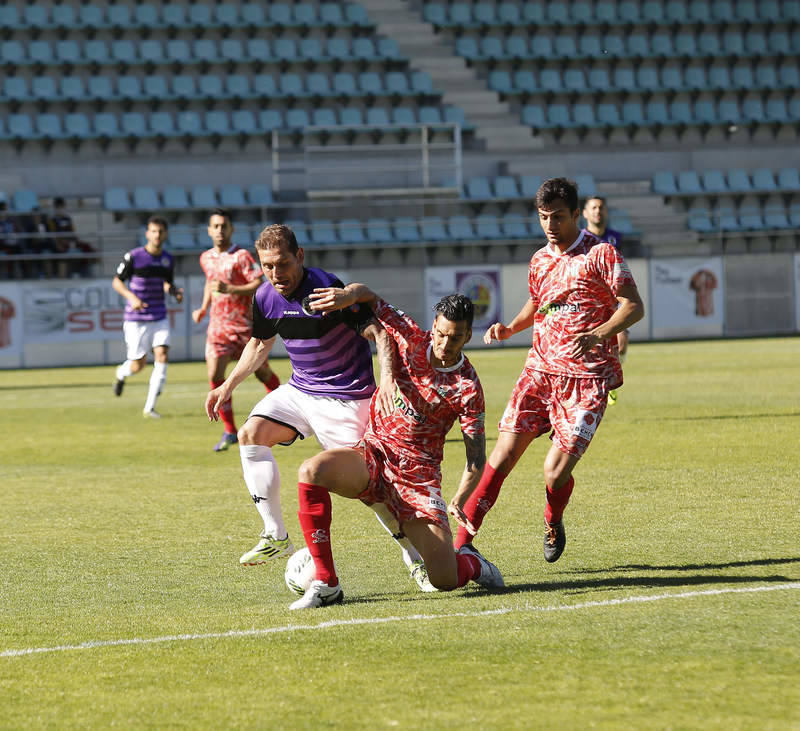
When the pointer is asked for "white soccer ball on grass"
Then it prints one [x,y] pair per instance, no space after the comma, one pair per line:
[300,571]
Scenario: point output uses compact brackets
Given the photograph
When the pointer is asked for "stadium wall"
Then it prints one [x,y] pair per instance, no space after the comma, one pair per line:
[79,322]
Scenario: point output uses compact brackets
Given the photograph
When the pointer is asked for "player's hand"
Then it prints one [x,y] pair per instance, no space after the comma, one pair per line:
[215,400]
[330,299]
[582,343]
[384,401]
[178,295]
[198,314]
[136,303]
[460,517]
[218,287]
[498,331]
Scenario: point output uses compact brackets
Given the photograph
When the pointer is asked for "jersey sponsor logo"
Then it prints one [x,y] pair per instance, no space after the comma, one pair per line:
[438,503]
[291,312]
[320,535]
[405,408]
[557,308]
[585,424]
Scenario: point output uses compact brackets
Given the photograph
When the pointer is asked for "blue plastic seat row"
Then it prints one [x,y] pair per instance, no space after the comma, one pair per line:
[409,230]
[119,16]
[217,124]
[744,219]
[213,87]
[683,45]
[693,78]
[506,187]
[659,113]
[736,180]
[176,197]
[461,15]
[178,51]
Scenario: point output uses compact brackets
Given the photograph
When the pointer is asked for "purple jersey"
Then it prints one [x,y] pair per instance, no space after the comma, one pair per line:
[328,355]
[612,237]
[147,274]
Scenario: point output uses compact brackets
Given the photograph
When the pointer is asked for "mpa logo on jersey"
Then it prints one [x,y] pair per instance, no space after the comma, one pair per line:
[585,424]
[320,535]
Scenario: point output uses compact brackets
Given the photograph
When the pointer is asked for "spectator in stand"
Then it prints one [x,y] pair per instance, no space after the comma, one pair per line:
[9,242]
[61,222]
[37,242]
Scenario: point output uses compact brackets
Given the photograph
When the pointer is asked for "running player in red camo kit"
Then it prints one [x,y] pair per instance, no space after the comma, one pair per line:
[232,277]
[399,460]
[581,295]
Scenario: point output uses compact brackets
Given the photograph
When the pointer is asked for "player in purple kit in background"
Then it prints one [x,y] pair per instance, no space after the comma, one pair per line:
[595,213]
[150,270]
[328,394]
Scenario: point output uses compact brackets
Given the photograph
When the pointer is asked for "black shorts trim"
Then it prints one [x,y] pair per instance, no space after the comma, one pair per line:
[288,426]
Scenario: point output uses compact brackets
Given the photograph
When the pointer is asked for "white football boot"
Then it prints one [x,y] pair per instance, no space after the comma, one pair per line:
[319,594]
[490,576]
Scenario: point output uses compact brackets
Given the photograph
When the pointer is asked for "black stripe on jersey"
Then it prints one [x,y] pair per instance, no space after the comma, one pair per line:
[307,328]
[154,270]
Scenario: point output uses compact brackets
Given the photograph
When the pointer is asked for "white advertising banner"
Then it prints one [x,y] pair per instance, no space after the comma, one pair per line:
[11,341]
[687,297]
[797,290]
[480,283]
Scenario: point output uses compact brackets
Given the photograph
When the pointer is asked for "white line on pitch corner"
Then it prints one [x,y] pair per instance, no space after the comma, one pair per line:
[92,644]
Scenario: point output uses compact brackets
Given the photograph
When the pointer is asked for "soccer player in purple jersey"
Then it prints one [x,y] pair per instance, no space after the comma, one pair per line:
[328,394]
[150,271]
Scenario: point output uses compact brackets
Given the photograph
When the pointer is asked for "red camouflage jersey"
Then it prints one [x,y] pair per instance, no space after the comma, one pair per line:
[231,316]
[428,400]
[573,293]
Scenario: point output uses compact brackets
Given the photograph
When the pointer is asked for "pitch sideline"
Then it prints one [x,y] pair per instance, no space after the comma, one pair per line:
[92,644]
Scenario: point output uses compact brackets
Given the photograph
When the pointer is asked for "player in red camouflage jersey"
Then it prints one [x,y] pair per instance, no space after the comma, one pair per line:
[582,295]
[232,277]
[399,460]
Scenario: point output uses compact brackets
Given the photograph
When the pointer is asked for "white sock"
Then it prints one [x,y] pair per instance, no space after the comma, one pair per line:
[157,379]
[124,371]
[264,483]
[389,522]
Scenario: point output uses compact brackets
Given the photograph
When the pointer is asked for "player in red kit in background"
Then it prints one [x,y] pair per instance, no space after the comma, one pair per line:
[232,277]
[582,295]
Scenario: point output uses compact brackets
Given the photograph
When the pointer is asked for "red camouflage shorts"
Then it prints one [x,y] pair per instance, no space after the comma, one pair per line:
[571,407]
[232,344]
[409,489]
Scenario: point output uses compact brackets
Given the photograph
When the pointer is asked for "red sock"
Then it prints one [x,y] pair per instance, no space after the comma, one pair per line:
[480,502]
[226,411]
[314,512]
[272,383]
[468,568]
[557,500]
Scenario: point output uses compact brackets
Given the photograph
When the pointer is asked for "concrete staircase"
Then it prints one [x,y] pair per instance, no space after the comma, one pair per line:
[497,126]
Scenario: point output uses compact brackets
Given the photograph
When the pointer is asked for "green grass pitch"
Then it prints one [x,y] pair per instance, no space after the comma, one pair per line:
[675,604]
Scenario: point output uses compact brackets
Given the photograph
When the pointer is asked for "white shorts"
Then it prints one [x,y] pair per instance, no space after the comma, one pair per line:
[141,337]
[334,422]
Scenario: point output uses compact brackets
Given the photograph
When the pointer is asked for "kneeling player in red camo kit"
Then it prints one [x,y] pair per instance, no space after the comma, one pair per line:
[398,463]
[582,295]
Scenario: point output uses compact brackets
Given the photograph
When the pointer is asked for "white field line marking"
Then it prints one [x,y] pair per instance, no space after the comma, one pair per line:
[91,644]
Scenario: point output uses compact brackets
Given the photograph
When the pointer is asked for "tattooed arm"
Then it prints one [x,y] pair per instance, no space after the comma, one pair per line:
[475,446]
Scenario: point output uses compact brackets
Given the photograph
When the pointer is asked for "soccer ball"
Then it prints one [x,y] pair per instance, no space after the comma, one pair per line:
[300,571]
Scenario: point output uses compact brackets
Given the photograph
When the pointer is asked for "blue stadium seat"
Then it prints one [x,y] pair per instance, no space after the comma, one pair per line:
[378,231]
[237,86]
[209,86]
[146,15]
[304,14]
[776,111]
[175,198]
[700,220]
[664,183]
[76,126]
[533,115]
[370,83]
[178,51]
[40,52]
[351,117]
[285,49]
[529,185]
[318,85]
[405,229]
[751,218]
[116,199]
[231,49]
[184,87]
[728,220]
[387,48]
[161,124]
[134,125]
[68,52]
[310,49]
[259,194]
[479,188]
[323,232]
[291,85]
[764,180]
[231,195]
[145,198]
[351,231]
[16,88]
[123,51]
[487,227]
[637,45]
[430,115]
[500,81]
[459,228]
[297,119]
[514,226]
[775,217]
[203,196]
[270,119]
[608,115]
[680,112]
[338,48]
[323,117]
[492,48]
[49,126]
[432,228]
[187,124]
[789,179]
[72,88]
[719,78]
[217,123]
[467,47]
[356,16]
[714,182]
[672,78]
[226,15]
[689,182]
[243,236]
[129,88]
[12,52]
[404,116]
[541,46]
[575,81]
[280,14]
[739,180]
[722,11]
[586,185]
[505,186]
[182,236]
[264,86]
[9,17]
[173,15]
[155,87]
[633,114]
[243,122]
[205,50]
[258,50]
[421,83]
[330,15]
[24,200]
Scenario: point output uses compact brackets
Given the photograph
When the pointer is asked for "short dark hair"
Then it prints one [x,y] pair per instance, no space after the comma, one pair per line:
[456,308]
[556,189]
[58,202]
[158,221]
[275,235]
[221,212]
[594,198]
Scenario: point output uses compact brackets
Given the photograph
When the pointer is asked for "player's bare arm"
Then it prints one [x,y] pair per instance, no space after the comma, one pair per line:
[253,356]
[200,312]
[522,321]
[241,290]
[176,292]
[475,446]
[329,299]
[385,346]
[630,311]
[121,288]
